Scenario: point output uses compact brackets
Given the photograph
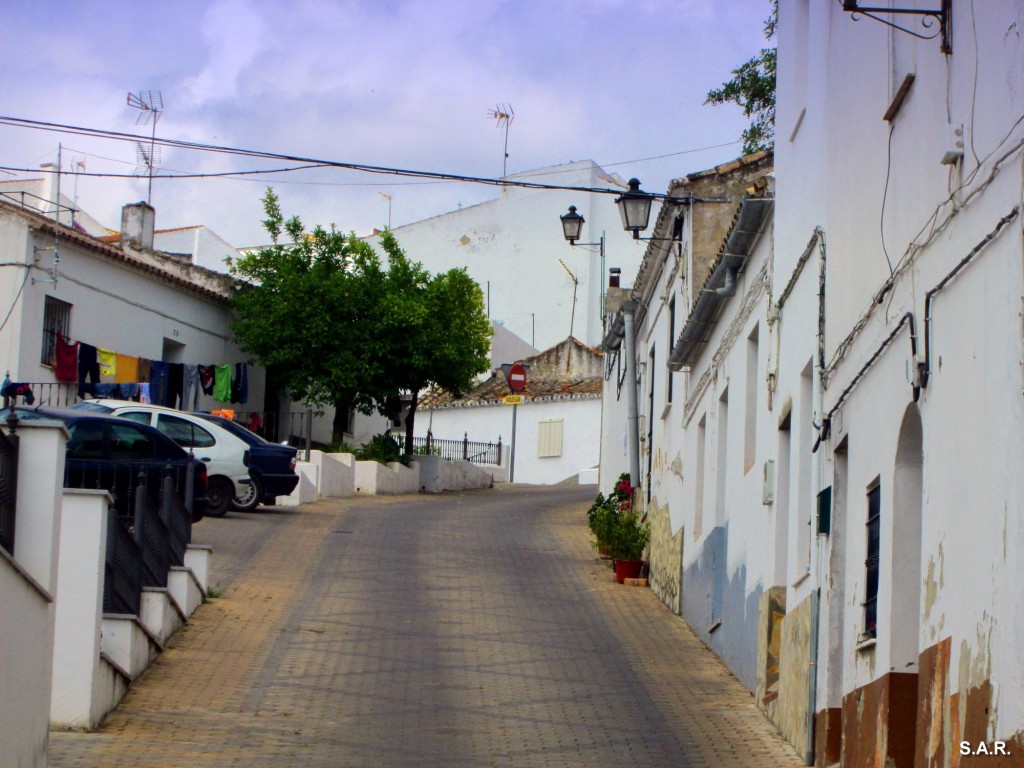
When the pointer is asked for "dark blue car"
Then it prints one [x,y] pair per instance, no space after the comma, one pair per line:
[271,466]
[120,456]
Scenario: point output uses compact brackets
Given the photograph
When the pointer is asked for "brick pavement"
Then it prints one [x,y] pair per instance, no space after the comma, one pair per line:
[469,629]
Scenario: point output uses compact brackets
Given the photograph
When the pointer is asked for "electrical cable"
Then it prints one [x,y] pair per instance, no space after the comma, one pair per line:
[17,122]
[885,197]
[16,297]
[175,175]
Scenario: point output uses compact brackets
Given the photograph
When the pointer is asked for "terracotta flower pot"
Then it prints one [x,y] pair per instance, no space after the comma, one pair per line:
[627,569]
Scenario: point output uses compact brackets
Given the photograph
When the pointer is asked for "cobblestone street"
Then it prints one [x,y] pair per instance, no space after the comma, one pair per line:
[464,629]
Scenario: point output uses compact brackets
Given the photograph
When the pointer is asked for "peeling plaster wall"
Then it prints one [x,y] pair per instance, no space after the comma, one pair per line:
[965,682]
[665,557]
[794,666]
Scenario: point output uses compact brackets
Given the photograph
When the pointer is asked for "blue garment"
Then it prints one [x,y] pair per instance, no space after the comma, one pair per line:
[158,376]
[240,384]
[108,389]
[129,391]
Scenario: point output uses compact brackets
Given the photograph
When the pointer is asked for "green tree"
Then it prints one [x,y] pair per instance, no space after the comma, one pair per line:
[752,87]
[343,328]
[437,327]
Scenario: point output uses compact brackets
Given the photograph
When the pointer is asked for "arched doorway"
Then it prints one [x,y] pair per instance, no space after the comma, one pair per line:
[905,617]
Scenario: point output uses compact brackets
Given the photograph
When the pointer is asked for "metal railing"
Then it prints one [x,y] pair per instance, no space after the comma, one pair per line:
[459,450]
[149,526]
[8,489]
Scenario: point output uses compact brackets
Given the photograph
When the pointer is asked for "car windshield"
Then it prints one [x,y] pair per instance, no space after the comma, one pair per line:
[89,405]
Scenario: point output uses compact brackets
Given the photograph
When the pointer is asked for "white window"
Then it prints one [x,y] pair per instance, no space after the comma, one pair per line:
[549,438]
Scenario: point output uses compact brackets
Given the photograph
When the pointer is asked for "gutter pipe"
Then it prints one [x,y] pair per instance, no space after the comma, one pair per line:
[628,310]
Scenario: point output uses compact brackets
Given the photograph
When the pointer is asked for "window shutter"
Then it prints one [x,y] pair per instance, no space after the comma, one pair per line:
[549,438]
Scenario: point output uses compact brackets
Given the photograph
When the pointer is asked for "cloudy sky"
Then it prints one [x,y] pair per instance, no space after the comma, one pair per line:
[396,83]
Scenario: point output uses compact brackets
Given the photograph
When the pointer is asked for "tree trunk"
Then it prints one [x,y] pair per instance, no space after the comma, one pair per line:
[341,425]
[410,421]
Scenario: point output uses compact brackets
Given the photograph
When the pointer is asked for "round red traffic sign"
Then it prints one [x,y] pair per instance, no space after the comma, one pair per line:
[517,378]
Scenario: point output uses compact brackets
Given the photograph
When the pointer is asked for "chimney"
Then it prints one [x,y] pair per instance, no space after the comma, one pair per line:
[137,222]
[614,275]
[48,204]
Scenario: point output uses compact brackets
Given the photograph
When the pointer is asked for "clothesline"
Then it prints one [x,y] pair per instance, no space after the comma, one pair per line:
[104,372]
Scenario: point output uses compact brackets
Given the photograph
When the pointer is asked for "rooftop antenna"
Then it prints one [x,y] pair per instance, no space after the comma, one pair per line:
[575,285]
[150,105]
[503,113]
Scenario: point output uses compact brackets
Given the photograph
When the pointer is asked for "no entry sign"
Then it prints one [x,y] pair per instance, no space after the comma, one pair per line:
[516,377]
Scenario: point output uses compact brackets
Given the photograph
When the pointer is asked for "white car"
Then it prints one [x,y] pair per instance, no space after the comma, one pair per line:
[225,455]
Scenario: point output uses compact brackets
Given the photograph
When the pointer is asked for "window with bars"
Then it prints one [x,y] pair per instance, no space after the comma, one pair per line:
[56,319]
[871,563]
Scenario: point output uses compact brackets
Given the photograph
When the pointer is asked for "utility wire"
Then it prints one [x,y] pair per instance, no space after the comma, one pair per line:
[18,122]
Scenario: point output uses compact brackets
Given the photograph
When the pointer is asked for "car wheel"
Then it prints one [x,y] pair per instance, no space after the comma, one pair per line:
[251,498]
[219,492]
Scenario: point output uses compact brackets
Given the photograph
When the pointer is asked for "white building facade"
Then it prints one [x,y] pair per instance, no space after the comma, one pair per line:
[837,509]
[512,247]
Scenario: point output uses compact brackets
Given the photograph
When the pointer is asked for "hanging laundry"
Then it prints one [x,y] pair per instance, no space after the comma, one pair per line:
[206,379]
[158,373]
[66,368]
[108,389]
[175,384]
[88,370]
[13,389]
[144,369]
[127,369]
[240,384]
[255,423]
[129,391]
[190,390]
[108,364]
[222,383]
[144,393]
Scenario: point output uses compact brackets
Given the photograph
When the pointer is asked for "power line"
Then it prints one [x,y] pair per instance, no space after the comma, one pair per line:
[17,122]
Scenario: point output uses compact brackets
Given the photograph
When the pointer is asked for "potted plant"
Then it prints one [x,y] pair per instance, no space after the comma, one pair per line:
[602,517]
[628,543]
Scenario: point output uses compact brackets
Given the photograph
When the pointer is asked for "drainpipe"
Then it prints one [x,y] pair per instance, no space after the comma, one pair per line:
[628,310]
[812,676]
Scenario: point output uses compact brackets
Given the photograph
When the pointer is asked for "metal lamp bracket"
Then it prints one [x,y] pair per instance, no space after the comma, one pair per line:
[928,20]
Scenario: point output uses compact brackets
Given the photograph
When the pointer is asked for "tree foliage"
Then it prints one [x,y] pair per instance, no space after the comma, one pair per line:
[343,327]
[752,87]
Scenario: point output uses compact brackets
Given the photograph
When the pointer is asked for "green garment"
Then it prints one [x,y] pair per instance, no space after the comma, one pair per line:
[222,383]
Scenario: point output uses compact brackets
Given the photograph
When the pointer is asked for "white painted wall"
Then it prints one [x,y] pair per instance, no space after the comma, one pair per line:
[26,658]
[511,246]
[486,423]
[841,76]
[113,306]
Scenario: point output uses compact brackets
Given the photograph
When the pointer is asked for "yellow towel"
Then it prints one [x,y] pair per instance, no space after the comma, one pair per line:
[108,364]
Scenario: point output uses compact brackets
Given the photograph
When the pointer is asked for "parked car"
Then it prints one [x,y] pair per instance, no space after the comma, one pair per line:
[271,466]
[111,453]
[225,455]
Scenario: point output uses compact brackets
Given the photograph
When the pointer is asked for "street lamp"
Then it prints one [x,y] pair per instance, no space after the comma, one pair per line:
[634,208]
[572,225]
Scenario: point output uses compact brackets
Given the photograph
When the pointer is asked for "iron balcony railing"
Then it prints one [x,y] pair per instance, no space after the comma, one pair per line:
[456,450]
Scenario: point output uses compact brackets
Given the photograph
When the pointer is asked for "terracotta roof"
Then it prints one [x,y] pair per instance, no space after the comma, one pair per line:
[495,388]
[162,266]
[553,376]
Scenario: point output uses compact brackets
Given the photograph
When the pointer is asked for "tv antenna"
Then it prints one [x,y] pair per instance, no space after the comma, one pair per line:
[150,105]
[575,285]
[503,113]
